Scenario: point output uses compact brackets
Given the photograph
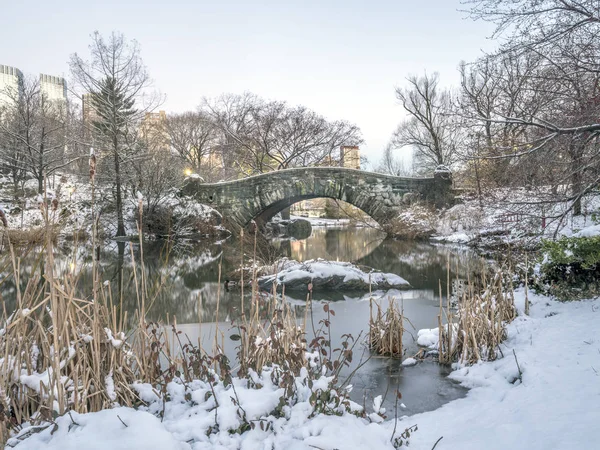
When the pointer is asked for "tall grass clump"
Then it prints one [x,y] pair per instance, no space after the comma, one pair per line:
[386,329]
[271,335]
[475,330]
[60,352]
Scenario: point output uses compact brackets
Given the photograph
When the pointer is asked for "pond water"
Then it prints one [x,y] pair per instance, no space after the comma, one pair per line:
[184,284]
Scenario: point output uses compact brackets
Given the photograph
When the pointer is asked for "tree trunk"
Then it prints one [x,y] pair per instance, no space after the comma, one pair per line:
[120,263]
[120,222]
[576,154]
[576,187]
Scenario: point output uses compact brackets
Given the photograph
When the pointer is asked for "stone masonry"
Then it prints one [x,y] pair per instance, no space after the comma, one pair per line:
[260,197]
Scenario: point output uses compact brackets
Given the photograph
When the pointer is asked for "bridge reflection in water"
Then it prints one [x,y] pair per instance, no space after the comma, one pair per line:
[336,244]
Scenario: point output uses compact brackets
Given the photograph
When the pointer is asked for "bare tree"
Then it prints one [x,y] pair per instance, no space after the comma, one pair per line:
[35,133]
[118,82]
[392,165]
[562,129]
[194,137]
[429,129]
[266,136]
[535,23]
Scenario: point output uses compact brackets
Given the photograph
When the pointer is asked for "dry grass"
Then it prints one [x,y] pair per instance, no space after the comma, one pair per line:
[59,352]
[475,331]
[386,329]
[272,336]
[26,237]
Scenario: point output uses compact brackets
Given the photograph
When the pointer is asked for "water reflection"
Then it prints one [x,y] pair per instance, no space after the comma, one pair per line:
[336,244]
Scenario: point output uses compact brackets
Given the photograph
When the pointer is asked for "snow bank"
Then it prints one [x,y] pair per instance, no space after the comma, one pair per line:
[591,231]
[73,212]
[555,405]
[115,429]
[190,421]
[514,216]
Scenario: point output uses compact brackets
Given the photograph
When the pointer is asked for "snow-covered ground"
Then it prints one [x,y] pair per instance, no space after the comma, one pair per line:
[73,212]
[553,404]
[333,223]
[515,216]
[557,403]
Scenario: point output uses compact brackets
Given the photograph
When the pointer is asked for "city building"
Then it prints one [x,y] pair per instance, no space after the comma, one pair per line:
[153,130]
[53,88]
[11,83]
[350,157]
[89,115]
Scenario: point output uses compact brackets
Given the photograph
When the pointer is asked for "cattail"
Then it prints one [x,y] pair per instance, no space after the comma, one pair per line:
[92,164]
[140,198]
[3,217]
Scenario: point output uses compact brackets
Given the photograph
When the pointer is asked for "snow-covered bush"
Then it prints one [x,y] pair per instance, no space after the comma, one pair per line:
[571,267]
[415,222]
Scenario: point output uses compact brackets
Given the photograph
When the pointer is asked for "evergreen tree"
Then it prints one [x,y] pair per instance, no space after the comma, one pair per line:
[116,113]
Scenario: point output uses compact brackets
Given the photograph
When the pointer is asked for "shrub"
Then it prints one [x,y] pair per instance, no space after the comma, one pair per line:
[416,222]
[571,267]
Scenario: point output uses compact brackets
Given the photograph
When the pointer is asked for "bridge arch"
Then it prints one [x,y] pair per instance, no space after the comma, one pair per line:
[260,197]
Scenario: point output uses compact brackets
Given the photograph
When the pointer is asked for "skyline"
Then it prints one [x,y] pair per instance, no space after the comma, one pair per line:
[342,60]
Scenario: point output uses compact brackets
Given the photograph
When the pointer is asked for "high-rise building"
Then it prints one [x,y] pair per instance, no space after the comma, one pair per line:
[350,157]
[153,130]
[53,88]
[11,84]
[154,120]
[88,111]
[89,115]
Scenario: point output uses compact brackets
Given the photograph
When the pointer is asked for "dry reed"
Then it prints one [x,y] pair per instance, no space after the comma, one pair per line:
[26,237]
[386,329]
[474,332]
[59,352]
[270,333]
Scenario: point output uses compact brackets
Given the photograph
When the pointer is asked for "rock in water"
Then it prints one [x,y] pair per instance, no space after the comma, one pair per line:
[299,229]
[329,275]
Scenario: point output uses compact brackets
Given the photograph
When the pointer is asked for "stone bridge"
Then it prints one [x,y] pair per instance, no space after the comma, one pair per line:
[260,197]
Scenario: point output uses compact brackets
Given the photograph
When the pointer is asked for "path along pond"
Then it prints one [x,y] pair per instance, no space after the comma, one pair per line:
[183,283]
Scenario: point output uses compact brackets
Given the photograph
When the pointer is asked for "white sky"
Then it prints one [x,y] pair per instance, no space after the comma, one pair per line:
[341,58]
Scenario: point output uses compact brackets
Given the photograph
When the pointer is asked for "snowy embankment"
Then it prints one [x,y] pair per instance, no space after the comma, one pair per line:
[324,274]
[72,207]
[554,406]
[550,400]
[516,217]
[324,222]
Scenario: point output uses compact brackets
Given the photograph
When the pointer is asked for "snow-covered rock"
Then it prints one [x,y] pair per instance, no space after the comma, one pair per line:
[409,362]
[324,274]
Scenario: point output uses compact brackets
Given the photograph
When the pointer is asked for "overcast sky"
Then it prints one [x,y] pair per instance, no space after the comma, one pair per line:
[341,58]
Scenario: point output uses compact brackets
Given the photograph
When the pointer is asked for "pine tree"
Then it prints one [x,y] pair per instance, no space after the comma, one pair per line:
[116,113]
